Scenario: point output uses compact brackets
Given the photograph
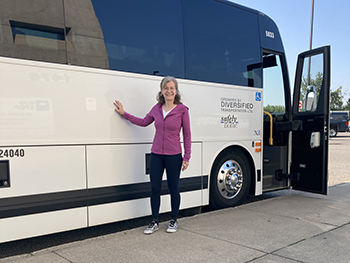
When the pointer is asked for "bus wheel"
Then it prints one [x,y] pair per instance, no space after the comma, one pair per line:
[229,180]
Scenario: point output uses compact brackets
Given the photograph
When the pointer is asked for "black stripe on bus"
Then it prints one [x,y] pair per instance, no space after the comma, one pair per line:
[42,203]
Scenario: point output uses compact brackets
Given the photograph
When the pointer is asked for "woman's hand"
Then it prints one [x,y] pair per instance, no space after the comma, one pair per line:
[119,107]
[185,165]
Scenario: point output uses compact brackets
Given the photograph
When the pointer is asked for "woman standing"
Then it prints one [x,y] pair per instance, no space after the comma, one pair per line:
[169,116]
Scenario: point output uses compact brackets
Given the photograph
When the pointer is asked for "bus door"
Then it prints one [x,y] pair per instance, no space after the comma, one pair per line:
[310,141]
[277,121]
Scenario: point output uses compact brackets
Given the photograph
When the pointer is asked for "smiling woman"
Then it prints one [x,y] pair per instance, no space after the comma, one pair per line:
[169,116]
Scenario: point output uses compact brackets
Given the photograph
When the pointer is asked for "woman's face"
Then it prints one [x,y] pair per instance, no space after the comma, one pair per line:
[169,91]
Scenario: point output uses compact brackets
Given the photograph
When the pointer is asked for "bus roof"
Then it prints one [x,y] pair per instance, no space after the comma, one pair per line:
[240,6]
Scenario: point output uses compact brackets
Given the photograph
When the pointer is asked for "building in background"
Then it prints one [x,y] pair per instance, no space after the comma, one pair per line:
[66,32]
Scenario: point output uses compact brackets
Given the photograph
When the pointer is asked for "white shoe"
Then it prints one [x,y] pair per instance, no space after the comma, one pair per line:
[153,226]
[173,225]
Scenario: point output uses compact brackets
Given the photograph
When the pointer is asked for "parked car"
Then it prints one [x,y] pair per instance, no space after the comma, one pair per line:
[339,122]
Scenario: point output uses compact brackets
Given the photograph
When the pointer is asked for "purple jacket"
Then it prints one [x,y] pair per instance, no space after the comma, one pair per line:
[167,138]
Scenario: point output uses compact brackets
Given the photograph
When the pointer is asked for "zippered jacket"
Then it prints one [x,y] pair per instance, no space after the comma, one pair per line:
[167,137]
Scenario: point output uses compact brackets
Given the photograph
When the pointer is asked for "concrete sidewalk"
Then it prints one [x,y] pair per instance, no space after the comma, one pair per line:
[298,227]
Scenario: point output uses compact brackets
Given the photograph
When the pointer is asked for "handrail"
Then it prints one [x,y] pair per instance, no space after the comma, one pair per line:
[271,127]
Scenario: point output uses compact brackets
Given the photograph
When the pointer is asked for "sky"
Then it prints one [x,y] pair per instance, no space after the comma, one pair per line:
[331,26]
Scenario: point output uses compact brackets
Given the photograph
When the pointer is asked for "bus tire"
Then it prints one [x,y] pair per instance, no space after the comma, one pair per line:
[230,179]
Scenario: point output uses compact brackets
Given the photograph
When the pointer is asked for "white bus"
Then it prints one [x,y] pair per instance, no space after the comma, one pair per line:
[69,161]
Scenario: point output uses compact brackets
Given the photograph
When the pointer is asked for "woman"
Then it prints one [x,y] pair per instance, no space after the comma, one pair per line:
[169,116]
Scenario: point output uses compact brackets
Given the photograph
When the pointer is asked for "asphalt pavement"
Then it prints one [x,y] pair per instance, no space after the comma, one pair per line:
[296,227]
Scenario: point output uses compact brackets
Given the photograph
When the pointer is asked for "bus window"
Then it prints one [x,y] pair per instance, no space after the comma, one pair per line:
[312,79]
[274,99]
[221,46]
[142,36]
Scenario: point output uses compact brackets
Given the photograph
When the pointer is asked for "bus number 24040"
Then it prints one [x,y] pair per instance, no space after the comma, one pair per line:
[10,153]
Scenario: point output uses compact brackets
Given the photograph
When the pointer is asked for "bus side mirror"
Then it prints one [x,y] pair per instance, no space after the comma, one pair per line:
[311,99]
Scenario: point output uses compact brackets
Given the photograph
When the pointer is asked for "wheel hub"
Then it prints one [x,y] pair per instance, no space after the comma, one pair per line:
[230,179]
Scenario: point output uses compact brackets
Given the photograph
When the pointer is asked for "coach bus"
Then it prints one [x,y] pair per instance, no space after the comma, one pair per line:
[69,161]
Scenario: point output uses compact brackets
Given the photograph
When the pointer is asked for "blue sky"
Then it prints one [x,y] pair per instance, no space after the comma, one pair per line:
[331,27]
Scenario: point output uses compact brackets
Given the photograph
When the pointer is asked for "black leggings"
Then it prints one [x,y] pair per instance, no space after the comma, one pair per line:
[172,164]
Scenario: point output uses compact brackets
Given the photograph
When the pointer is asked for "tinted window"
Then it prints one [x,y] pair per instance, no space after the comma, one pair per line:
[221,43]
[274,98]
[311,86]
[142,36]
[339,116]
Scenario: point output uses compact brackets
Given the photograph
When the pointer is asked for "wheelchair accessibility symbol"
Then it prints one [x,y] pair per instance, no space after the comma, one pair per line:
[257,96]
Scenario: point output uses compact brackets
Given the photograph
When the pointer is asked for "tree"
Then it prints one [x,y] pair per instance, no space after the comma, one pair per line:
[336,100]
[306,91]
[336,96]
[347,106]
[274,108]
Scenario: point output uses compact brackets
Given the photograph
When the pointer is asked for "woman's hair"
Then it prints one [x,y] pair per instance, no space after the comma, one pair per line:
[160,97]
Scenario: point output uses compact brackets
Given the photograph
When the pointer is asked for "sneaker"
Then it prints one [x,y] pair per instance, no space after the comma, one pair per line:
[153,226]
[172,228]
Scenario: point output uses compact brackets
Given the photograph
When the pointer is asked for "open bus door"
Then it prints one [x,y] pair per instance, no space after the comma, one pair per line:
[310,139]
